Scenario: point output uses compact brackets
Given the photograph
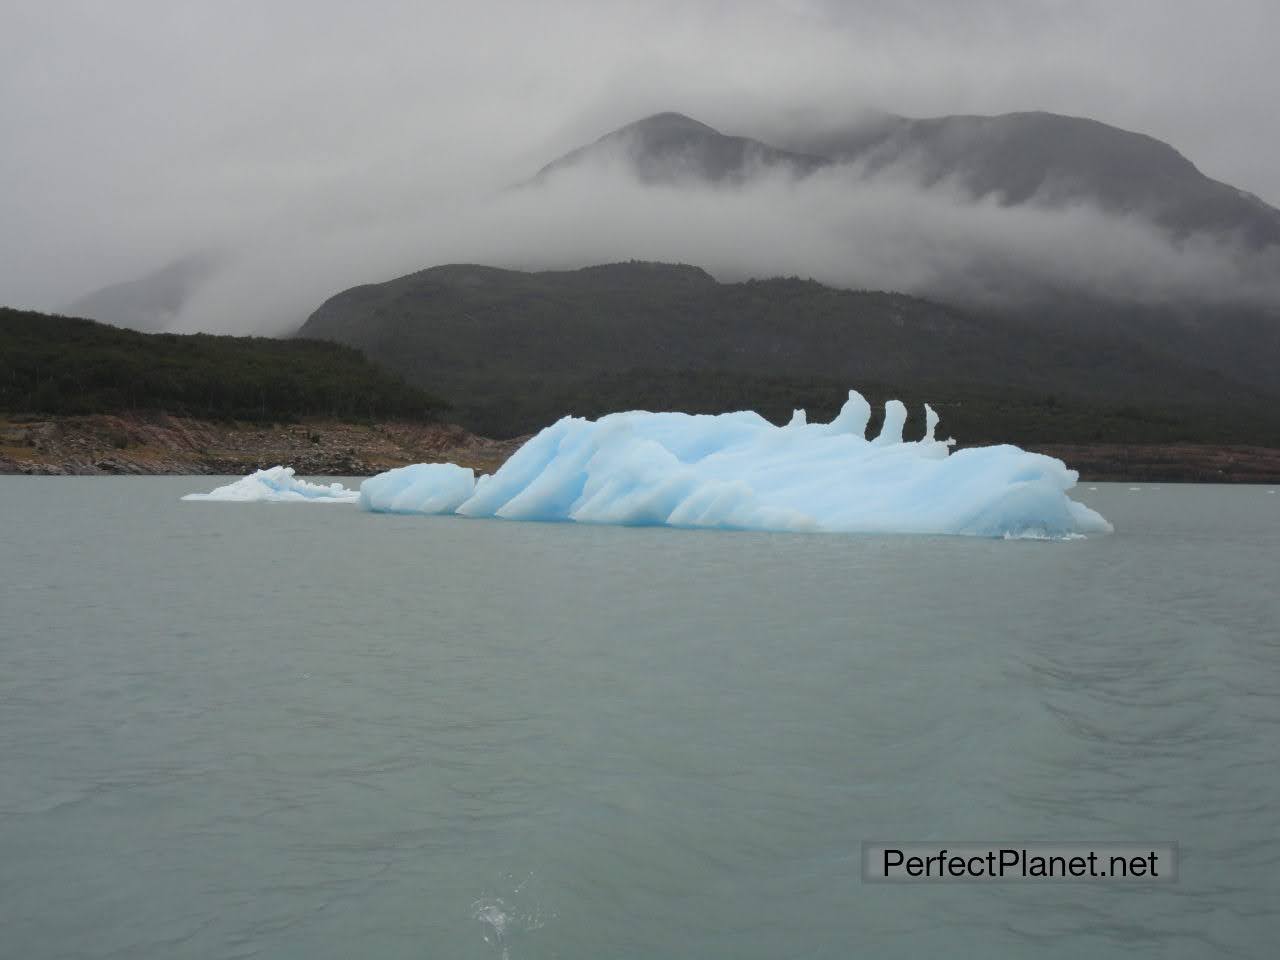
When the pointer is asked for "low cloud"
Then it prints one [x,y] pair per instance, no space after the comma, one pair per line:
[837,227]
[319,144]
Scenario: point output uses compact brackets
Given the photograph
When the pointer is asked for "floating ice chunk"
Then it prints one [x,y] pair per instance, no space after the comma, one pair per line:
[277,485]
[419,488]
[739,471]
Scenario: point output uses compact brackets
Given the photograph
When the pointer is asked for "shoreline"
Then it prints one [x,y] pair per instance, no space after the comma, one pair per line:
[161,445]
[1167,462]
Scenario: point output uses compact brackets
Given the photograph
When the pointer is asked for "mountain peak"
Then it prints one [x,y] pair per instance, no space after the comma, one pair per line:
[670,147]
[670,122]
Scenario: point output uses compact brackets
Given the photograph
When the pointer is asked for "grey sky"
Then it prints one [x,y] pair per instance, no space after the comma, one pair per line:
[351,136]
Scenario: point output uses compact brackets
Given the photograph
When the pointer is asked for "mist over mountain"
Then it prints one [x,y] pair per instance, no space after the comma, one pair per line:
[320,146]
[150,303]
[1053,161]
[1038,158]
[1012,212]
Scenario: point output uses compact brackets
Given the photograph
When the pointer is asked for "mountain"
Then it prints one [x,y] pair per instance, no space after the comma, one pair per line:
[151,302]
[670,147]
[514,351]
[1018,158]
[1043,162]
[1055,160]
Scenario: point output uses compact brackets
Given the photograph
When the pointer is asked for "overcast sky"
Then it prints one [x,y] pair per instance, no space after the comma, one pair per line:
[136,132]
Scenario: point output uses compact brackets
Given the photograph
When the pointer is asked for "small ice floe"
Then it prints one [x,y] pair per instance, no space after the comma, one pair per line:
[277,485]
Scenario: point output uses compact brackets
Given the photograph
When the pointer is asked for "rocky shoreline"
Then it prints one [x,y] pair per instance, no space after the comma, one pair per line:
[160,444]
[1168,462]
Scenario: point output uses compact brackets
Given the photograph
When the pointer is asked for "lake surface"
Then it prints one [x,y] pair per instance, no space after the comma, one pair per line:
[303,731]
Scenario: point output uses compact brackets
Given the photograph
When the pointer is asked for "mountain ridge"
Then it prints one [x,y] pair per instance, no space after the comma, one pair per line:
[514,350]
[1020,157]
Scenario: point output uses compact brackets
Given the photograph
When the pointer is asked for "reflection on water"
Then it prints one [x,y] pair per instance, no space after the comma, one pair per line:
[257,731]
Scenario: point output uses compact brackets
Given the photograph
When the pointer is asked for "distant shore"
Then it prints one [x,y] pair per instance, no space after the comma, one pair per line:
[156,444]
[1168,462]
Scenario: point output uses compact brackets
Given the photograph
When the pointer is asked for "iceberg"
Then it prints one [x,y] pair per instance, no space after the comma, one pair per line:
[739,471]
[278,485]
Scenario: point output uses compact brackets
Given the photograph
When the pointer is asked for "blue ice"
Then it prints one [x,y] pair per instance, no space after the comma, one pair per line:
[739,471]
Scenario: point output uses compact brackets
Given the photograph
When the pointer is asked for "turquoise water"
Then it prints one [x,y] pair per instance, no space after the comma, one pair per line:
[301,731]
